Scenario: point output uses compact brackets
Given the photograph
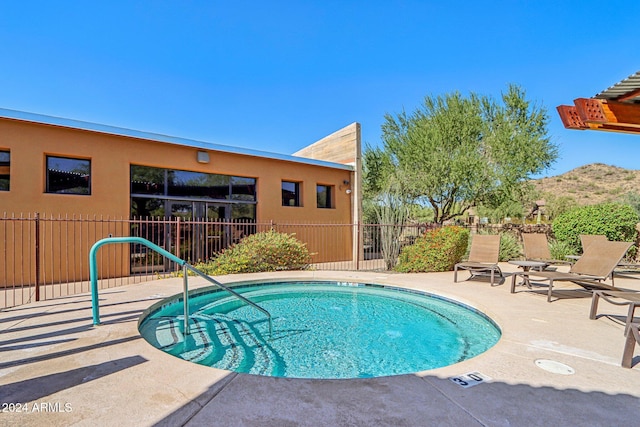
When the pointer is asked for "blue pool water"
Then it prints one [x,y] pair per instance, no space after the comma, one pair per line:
[321,330]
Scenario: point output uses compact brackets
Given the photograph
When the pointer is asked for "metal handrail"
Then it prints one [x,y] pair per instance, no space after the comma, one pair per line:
[226,288]
[93,274]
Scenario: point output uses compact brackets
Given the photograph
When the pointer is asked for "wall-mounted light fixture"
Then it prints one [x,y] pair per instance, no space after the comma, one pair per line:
[203,157]
[345,183]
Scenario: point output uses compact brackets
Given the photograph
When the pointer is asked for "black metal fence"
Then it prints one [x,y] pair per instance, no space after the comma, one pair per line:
[48,257]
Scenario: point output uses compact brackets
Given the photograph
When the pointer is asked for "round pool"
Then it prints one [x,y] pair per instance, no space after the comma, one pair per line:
[320,330]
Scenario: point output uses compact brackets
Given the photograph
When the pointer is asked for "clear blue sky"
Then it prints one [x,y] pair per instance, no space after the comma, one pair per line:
[279,75]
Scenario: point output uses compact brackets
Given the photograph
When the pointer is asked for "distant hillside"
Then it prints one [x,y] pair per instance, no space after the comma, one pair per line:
[591,184]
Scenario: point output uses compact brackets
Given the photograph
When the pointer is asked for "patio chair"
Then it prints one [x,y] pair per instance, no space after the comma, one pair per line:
[483,257]
[536,248]
[594,266]
[630,298]
[633,338]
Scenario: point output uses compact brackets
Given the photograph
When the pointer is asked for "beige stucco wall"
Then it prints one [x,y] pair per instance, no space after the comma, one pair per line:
[343,146]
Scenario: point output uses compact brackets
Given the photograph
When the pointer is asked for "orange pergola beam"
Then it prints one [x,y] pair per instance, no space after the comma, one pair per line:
[570,117]
[598,114]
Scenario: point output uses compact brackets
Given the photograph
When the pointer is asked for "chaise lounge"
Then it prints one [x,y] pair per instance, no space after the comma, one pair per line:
[536,248]
[630,298]
[588,239]
[633,338]
[590,271]
[483,257]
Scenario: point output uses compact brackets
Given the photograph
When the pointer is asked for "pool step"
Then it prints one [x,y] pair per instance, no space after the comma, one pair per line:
[163,332]
[214,340]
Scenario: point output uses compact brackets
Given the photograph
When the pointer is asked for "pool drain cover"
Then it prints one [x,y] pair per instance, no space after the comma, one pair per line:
[554,367]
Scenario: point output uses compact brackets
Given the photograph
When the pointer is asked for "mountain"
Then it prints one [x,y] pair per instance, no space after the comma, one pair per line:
[592,184]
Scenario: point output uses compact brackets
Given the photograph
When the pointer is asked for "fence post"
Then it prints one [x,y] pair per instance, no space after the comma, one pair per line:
[177,242]
[37,257]
[358,234]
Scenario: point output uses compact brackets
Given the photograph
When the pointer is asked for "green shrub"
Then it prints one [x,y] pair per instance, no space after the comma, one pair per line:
[266,251]
[437,250]
[559,250]
[614,220]
[510,247]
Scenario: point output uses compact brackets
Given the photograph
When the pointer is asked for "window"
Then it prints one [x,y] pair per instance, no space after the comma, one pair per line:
[151,187]
[243,212]
[5,170]
[290,193]
[147,180]
[197,185]
[325,196]
[193,185]
[243,188]
[68,176]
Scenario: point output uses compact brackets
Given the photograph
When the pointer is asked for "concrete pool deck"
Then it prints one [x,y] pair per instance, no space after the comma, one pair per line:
[57,369]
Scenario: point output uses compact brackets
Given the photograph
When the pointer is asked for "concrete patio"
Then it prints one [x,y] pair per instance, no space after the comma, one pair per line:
[57,369]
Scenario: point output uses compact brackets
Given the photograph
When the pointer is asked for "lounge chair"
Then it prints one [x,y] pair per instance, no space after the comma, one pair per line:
[593,267]
[587,239]
[633,338]
[483,257]
[630,298]
[536,248]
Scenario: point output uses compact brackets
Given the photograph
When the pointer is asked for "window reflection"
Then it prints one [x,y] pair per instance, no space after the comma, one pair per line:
[68,176]
[325,196]
[290,193]
[178,183]
[5,170]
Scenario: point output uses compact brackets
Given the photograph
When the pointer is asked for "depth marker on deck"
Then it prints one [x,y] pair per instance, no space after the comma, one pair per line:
[470,379]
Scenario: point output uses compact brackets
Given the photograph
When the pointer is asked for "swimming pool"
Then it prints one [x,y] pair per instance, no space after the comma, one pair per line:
[320,330]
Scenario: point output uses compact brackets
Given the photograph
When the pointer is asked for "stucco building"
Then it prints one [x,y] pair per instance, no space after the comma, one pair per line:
[61,168]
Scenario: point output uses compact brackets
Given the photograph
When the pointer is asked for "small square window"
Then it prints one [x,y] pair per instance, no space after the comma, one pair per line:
[5,170]
[290,193]
[325,196]
[68,176]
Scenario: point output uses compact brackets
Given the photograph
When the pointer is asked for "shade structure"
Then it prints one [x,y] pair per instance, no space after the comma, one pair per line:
[616,109]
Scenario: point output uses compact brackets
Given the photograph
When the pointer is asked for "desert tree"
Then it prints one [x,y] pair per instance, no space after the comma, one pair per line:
[456,152]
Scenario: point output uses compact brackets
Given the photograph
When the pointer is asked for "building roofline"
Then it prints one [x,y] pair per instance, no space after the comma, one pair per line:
[118,131]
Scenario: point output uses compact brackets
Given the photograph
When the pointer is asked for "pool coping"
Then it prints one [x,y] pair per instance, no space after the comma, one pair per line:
[76,374]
